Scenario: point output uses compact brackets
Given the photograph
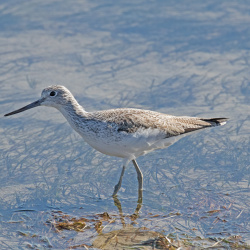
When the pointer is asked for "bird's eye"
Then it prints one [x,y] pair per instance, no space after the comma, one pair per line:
[52,93]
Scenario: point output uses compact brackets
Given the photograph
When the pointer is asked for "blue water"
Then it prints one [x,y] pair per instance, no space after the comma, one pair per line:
[181,58]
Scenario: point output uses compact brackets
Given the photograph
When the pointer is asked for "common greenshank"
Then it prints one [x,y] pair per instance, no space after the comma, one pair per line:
[125,132]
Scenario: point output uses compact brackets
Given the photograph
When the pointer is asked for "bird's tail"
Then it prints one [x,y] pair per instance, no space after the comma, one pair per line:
[216,121]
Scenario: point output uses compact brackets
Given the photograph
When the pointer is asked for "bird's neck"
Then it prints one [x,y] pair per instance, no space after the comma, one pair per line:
[74,113]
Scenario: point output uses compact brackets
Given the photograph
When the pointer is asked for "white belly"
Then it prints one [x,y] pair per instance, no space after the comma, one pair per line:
[127,145]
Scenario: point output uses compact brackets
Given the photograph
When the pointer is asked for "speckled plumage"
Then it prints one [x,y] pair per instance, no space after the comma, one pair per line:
[126,133]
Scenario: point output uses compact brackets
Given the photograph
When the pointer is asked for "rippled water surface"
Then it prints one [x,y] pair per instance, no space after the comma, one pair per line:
[182,58]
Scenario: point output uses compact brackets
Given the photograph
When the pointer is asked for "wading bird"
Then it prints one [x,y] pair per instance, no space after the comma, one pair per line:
[126,133]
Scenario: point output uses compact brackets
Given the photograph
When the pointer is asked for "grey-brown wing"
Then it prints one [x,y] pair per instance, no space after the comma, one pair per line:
[130,120]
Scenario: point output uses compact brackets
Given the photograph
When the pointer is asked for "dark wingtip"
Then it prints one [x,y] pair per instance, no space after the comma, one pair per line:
[217,121]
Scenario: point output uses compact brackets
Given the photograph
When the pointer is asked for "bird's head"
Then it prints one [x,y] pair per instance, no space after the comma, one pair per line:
[53,96]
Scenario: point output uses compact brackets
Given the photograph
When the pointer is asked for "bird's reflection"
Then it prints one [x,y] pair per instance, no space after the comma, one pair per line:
[130,236]
[109,233]
[137,209]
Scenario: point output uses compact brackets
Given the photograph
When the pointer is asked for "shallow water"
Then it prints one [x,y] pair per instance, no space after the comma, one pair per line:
[174,57]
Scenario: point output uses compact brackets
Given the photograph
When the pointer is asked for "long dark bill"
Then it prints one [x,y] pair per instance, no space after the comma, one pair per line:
[30,106]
